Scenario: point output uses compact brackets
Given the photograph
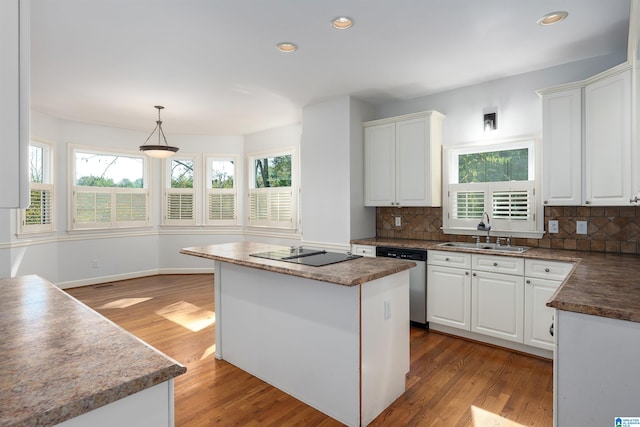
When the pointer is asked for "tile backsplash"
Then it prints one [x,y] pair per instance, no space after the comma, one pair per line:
[610,229]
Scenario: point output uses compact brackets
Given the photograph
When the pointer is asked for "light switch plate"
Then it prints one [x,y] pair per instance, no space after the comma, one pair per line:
[581,227]
[553,226]
[398,221]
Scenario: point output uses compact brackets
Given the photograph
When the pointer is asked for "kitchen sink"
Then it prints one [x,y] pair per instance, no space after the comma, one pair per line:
[485,246]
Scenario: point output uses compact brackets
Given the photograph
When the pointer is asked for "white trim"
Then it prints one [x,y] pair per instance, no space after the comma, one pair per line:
[132,275]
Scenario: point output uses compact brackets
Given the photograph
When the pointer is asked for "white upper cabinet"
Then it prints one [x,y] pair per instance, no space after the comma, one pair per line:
[587,151]
[608,140]
[14,103]
[403,161]
[562,147]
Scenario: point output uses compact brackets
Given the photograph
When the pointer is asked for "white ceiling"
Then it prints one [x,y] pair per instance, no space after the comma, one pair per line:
[213,63]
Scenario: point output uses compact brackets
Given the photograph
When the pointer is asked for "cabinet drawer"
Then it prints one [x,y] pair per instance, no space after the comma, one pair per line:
[498,264]
[543,269]
[364,250]
[449,259]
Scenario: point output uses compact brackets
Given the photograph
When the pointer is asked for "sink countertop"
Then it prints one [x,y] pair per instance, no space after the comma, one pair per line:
[61,359]
[601,284]
[347,273]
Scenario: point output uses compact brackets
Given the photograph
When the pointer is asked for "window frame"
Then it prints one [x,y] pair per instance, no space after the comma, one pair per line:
[209,192]
[167,190]
[47,186]
[514,227]
[75,190]
[272,195]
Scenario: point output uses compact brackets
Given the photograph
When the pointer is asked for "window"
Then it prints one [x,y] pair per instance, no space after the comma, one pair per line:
[271,190]
[221,191]
[39,216]
[500,180]
[180,194]
[108,190]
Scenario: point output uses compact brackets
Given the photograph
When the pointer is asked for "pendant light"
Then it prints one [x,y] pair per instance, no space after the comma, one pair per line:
[158,151]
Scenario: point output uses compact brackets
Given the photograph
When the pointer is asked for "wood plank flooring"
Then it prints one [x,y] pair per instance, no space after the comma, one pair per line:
[452,382]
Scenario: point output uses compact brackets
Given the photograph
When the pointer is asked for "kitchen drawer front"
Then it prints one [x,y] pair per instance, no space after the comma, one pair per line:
[449,259]
[498,264]
[364,250]
[550,270]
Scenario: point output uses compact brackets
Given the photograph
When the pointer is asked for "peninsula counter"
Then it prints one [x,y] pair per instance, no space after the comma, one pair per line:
[64,364]
[335,337]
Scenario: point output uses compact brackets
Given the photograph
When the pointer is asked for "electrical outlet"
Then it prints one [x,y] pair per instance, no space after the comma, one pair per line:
[398,221]
[581,227]
[553,226]
[95,263]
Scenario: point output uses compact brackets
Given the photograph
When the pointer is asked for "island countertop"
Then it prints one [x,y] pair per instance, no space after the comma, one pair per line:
[348,273]
[601,284]
[61,359]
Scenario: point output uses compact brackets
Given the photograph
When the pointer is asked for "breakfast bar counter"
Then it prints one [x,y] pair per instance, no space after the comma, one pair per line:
[335,336]
[63,363]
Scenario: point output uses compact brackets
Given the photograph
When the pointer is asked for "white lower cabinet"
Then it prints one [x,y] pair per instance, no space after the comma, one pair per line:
[539,319]
[363,250]
[449,296]
[497,305]
[495,296]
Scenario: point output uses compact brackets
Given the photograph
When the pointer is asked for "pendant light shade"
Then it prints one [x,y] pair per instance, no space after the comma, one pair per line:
[159,151]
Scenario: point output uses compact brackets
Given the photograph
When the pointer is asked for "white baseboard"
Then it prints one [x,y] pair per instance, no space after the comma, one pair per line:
[133,275]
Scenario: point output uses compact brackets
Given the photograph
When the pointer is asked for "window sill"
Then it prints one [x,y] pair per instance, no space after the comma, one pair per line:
[494,233]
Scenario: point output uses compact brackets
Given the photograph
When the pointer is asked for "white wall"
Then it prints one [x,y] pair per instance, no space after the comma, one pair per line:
[362,218]
[518,106]
[70,259]
[332,173]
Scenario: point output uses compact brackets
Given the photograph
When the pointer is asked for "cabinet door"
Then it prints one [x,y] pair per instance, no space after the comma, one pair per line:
[608,140]
[14,103]
[538,318]
[413,157]
[380,165]
[562,148]
[449,296]
[497,305]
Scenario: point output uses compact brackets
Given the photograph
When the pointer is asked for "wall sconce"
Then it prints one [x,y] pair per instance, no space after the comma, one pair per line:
[490,122]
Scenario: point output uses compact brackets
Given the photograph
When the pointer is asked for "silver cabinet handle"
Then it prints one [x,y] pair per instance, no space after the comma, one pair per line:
[587,202]
[546,270]
[546,202]
[466,273]
[495,264]
[528,282]
[474,274]
[551,329]
[446,259]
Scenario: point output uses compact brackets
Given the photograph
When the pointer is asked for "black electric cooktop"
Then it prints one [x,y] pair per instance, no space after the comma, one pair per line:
[312,257]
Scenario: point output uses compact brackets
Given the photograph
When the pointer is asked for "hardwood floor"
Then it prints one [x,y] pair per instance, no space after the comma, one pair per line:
[452,382]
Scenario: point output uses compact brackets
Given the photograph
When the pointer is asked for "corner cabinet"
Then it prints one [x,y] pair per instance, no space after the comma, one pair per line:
[403,160]
[14,103]
[587,150]
[608,140]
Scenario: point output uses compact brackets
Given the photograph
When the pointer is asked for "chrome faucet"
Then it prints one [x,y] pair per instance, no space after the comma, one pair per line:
[485,227]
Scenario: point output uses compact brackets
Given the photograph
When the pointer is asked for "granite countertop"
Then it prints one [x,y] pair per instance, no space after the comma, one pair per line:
[60,359]
[601,284]
[348,273]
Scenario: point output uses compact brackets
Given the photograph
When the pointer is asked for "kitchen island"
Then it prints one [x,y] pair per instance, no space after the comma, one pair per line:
[336,336]
[64,364]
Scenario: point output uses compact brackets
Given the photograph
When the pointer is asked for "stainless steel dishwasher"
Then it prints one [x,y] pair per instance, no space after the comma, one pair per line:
[417,281]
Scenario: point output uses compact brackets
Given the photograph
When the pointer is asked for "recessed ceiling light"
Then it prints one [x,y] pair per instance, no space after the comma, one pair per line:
[287,47]
[342,23]
[553,18]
